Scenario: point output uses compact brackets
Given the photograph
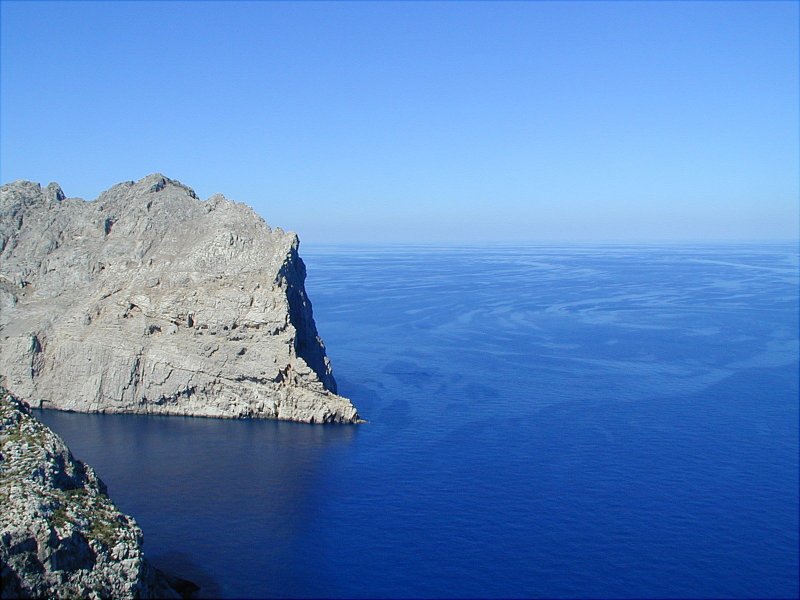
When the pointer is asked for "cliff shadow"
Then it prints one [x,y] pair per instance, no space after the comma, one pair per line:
[182,565]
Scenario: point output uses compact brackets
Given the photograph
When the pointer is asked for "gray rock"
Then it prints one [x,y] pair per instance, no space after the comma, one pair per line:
[148,300]
[60,534]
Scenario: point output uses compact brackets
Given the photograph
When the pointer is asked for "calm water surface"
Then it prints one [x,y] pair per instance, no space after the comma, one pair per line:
[544,421]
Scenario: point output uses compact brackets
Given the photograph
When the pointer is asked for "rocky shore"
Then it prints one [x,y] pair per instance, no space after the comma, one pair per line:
[60,534]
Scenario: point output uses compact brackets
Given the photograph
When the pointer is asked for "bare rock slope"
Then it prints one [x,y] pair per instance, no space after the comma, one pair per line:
[149,300]
[60,534]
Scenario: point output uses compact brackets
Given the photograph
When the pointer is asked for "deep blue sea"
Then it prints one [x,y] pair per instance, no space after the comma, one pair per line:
[544,421]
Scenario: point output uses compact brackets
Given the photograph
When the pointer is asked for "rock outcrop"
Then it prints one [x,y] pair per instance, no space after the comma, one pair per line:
[149,300]
[60,534]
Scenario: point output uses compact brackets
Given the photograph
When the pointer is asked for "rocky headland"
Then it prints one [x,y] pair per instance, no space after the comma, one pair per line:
[149,300]
[60,534]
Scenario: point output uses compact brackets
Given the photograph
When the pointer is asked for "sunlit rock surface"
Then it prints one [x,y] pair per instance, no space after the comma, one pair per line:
[149,300]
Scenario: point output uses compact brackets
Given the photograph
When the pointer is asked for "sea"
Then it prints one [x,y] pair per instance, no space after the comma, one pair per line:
[543,421]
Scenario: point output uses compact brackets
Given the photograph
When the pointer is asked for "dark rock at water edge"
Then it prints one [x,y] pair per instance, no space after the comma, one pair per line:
[60,534]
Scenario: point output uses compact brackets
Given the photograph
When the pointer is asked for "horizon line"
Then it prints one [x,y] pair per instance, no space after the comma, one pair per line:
[607,242]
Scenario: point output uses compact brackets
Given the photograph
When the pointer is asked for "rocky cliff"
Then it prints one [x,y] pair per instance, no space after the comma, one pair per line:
[60,534]
[149,300]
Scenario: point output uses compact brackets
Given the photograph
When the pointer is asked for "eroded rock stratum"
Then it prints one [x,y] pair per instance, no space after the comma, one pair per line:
[149,300]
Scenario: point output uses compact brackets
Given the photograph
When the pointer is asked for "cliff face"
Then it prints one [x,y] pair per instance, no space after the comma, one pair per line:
[148,300]
[60,534]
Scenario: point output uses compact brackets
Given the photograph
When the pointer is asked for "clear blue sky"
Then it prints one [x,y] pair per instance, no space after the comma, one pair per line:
[414,122]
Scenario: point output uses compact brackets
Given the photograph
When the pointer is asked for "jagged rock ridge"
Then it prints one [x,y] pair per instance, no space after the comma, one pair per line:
[149,300]
[60,534]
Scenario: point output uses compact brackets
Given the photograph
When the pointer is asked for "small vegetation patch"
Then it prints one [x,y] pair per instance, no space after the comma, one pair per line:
[103,531]
[60,517]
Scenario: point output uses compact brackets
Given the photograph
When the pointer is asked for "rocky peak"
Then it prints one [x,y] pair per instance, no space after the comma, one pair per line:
[54,193]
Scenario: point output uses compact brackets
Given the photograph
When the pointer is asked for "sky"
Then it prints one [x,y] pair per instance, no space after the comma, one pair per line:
[421,122]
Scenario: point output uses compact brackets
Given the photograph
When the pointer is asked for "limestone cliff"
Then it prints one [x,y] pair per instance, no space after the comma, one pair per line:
[60,534]
[149,300]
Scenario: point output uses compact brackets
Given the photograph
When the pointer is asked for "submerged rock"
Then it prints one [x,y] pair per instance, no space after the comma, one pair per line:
[148,300]
[60,534]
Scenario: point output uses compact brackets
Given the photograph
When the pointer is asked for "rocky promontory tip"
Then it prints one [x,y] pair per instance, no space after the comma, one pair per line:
[149,300]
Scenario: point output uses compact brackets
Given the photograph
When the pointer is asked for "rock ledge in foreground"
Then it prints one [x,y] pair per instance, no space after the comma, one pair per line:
[60,534]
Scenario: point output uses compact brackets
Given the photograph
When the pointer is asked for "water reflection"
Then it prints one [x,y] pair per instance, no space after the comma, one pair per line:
[252,482]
